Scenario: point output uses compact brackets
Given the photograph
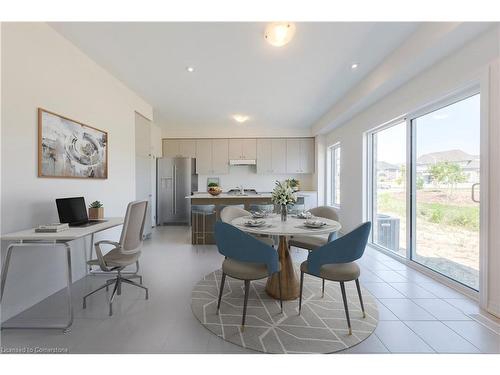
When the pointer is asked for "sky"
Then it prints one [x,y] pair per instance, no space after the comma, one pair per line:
[453,127]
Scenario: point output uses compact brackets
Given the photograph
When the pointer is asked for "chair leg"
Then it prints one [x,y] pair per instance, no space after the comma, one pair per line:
[94,291]
[344,297]
[300,293]
[112,298]
[323,288]
[360,298]
[137,285]
[247,290]
[279,285]
[223,281]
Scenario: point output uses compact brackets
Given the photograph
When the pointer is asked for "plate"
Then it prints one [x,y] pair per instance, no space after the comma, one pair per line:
[259,215]
[314,223]
[255,223]
[303,215]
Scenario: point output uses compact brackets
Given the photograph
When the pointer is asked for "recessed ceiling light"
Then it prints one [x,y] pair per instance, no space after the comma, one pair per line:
[190,69]
[279,33]
[240,118]
[354,66]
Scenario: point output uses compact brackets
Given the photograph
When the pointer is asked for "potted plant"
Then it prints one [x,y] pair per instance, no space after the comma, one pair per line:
[96,211]
[214,188]
[294,184]
[283,195]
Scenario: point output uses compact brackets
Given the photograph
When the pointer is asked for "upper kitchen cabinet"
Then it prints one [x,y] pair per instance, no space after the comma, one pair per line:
[212,156]
[300,155]
[243,149]
[271,156]
[179,148]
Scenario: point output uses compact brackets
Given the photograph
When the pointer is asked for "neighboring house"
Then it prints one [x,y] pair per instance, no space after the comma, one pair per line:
[469,163]
[387,172]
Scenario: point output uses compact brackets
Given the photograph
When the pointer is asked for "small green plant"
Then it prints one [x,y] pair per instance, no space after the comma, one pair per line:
[96,204]
[213,184]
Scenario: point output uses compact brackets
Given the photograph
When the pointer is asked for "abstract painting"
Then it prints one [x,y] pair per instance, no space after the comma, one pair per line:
[70,149]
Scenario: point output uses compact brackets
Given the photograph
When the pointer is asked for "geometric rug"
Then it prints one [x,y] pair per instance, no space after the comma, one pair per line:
[320,328]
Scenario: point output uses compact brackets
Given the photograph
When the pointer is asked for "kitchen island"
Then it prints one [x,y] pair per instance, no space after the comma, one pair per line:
[206,210]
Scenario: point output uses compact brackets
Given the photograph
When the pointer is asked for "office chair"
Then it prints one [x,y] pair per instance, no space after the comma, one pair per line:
[123,254]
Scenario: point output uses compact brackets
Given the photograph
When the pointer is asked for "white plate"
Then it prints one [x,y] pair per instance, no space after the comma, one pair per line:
[314,224]
[255,223]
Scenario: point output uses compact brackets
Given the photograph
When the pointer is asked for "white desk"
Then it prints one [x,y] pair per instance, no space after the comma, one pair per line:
[29,238]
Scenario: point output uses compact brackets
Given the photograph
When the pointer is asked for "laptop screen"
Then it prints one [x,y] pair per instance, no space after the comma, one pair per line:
[72,210]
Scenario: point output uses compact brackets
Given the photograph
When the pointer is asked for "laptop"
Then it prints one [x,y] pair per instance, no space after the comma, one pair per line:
[74,212]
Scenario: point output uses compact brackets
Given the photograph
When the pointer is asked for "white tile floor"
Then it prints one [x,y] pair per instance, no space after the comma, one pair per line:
[417,314]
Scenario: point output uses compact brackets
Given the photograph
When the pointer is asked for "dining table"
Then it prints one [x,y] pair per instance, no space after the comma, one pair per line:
[293,226]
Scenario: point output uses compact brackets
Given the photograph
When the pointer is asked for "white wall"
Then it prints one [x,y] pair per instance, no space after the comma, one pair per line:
[42,69]
[246,175]
[461,68]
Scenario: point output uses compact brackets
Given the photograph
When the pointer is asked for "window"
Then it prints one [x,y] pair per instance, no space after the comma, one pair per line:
[334,175]
[423,192]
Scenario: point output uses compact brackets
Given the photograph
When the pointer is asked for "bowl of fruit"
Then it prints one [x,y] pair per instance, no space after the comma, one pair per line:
[214,189]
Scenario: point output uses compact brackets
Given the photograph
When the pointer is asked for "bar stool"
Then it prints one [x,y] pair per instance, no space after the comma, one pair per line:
[199,217]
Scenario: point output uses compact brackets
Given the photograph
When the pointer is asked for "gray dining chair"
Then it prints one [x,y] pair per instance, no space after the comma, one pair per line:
[229,213]
[124,253]
[335,261]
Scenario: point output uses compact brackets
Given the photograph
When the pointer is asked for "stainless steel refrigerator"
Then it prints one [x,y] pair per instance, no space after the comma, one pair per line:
[176,178]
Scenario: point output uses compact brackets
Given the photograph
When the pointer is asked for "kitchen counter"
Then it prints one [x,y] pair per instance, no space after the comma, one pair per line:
[203,195]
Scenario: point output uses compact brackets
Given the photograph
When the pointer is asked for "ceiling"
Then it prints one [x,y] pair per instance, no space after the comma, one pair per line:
[236,71]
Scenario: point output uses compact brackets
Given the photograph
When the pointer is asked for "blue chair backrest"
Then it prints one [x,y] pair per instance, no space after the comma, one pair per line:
[236,244]
[346,249]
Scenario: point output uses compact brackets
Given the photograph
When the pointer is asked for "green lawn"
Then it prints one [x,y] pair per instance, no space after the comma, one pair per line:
[466,217]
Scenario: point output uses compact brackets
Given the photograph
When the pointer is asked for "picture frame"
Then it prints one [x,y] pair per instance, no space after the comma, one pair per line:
[70,149]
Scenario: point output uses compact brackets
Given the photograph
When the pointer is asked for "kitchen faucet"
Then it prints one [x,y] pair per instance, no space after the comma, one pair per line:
[242,191]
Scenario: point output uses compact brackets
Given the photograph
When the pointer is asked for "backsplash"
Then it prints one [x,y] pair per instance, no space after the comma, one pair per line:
[247,176]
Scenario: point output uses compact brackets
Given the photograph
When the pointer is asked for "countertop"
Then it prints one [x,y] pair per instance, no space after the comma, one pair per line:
[203,195]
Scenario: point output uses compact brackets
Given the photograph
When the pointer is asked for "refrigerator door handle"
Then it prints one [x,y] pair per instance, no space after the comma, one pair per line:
[175,190]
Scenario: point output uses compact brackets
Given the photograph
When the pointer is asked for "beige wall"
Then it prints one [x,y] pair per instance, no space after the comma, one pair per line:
[40,68]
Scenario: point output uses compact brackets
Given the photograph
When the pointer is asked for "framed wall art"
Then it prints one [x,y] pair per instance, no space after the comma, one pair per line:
[70,149]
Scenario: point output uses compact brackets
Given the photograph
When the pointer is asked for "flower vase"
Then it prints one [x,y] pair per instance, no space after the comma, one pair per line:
[284,212]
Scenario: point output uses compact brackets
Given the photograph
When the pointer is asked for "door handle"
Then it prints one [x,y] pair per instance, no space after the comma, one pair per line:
[473,192]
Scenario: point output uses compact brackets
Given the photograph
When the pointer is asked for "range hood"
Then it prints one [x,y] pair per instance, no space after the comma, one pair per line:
[242,162]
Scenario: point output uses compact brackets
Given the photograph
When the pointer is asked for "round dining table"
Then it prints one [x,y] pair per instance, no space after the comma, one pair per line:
[293,226]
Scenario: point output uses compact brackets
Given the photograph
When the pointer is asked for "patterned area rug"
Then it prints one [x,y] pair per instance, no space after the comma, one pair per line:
[321,327]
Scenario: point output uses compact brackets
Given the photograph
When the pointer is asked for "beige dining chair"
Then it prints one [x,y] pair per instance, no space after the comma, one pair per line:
[229,213]
[124,253]
[313,242]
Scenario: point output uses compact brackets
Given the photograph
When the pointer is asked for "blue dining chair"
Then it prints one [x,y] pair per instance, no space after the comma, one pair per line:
[335,261]
[247,259]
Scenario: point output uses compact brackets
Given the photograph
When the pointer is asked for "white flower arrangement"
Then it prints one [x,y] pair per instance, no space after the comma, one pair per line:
[283,194]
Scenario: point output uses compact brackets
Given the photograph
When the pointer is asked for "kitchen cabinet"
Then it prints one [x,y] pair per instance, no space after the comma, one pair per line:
[179,148]
[212,156]
[271,156]
[300,155]
[243,149]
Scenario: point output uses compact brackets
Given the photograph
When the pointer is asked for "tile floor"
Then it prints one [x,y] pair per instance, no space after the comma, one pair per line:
[417,314]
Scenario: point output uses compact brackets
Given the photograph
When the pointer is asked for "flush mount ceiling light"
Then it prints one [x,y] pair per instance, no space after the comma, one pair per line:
[354,66]
[240,118]
[190,69]
[279,33]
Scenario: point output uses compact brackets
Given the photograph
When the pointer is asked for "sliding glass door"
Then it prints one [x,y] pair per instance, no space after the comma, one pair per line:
[389,188]
[429,214]
[446,163]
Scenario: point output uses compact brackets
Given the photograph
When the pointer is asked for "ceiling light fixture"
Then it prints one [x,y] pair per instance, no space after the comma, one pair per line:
[354,66]
[190,69]
[240,118]
[279,33]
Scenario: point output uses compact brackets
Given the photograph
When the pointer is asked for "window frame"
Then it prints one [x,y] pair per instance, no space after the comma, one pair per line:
[331,174]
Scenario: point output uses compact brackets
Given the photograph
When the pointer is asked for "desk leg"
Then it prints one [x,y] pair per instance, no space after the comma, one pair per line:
[5,269]
[89,267]
[69,278]
[290,285]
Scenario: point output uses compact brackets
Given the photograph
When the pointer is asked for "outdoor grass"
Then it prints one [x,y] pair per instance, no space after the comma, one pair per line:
[466,217]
